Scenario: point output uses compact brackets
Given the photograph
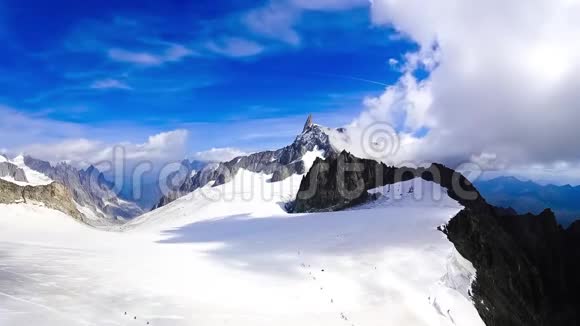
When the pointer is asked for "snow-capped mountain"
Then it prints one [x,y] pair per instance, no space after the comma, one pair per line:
[88,188]
[281,164]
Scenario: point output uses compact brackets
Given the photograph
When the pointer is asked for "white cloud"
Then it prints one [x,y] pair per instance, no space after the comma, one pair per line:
[275,21]
[219,154]
[503,82]
[157,147]
[235,47]
[558,173]
[141,58]
[110,83]
[71,150]
[160,148]
[174,53]
[18,128]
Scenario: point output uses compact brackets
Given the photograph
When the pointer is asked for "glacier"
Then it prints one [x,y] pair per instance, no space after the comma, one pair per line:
[231,254]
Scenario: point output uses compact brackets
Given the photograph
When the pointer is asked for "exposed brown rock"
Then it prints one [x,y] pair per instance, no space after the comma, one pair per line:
[54,196]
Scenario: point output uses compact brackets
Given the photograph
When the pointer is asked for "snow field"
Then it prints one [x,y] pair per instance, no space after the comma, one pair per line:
[230,255]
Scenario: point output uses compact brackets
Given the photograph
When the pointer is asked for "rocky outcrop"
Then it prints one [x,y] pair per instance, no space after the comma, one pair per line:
[308,124]
[10,170]
[343,180]
[527,266]
[281,163]
[54,196]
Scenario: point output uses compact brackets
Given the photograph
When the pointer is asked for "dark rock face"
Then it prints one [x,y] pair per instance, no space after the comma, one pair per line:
[281,163]
[343,180]
[53,195]
[10,170]
[88,188]
[338,182]
[528,267]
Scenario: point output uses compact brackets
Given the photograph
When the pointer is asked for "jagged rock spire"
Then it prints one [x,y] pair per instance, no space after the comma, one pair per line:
[308,123]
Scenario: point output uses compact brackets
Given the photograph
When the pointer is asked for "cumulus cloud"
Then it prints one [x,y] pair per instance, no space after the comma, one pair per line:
[163,147]
[219,154]
[276,21]
[37,127]
[502,81]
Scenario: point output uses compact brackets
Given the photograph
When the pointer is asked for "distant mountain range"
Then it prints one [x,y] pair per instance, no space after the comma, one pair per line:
[96,198]
[82,193]
[528,196]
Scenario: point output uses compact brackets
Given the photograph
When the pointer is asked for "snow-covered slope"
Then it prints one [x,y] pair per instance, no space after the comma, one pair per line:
[33,178]
[231,255]
[247,193]
[416,192]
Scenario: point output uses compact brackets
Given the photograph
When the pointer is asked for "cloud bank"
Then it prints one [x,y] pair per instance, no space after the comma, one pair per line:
[502,82]
[161,148]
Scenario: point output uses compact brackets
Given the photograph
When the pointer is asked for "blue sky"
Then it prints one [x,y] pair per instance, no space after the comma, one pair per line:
[233,73]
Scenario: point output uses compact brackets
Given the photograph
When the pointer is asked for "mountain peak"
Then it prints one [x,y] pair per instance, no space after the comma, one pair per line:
[308,123]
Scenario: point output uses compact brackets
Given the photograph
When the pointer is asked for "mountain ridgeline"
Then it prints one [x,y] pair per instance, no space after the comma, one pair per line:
[528,196]
[88,187]
[281,163]
[343,180]
[527,265]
